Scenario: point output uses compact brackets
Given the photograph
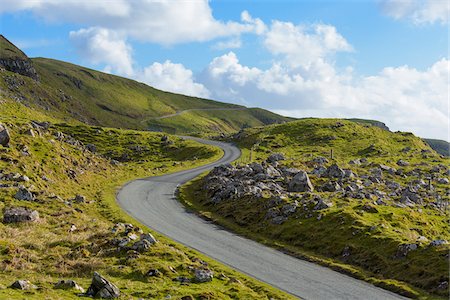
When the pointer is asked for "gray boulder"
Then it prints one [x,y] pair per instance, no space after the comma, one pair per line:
[322,204]
[102,288]
[141,246]
[402,163]
[438,243]
[19,214]
[330,187]
[275,157]
[67,285]
[149,237]
[279,220]
[404,249]
[443,181]
[24,194]
[272,172]
[203,275]
[335,172]
[23,285]
[300,183]
[4,136]
[91,147]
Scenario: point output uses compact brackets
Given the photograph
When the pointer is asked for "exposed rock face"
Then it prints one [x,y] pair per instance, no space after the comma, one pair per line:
[300,183]
[21,66]
[102,288]
[4,136]
[19,214]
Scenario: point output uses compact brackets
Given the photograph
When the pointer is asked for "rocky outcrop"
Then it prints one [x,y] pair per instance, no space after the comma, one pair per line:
[19,214]
[4,136]
[23,285]
[67,285]
[300,183]
[21,66]
[102,288]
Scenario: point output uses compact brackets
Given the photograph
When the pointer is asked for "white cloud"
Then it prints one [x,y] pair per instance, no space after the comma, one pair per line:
[405,98]
[164,22]
[172,77]
[229,44]
[301,45]
[418,11]
[102,46]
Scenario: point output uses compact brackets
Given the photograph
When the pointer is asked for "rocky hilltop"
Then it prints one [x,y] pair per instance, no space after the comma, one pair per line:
[14,60]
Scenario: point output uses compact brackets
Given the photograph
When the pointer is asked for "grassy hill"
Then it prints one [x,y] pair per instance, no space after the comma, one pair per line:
[74,235]
[73,92]
[369,216]
[440,146]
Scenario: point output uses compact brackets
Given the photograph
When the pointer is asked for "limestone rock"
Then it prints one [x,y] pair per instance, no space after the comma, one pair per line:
[102,288]
[19,214]
[68,284]
[4,136]
[23,285]
[203,275]
[300,183]
[24,194]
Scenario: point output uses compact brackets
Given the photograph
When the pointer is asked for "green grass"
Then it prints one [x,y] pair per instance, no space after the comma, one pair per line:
[372,237]
[8,50]
[45,252]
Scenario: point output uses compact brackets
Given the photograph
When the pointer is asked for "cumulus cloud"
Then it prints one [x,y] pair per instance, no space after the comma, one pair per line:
[228,44]
[102,46]
[405,98]
[418,11]
[300,45]
[164,22]
[172,77]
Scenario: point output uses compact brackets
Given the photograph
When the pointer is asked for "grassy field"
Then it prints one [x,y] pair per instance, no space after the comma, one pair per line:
[371,238]
[71,240]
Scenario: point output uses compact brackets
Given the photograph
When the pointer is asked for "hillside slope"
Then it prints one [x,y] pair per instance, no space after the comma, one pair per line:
[73,92]
[358,198]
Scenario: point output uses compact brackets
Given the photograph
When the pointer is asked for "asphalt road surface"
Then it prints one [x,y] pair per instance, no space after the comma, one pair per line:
[152,202]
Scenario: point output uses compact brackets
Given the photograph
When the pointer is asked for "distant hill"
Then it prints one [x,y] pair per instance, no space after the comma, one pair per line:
[440,146]
[73,92]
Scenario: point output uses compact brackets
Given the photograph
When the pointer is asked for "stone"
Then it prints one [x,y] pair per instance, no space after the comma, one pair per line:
[203,275]
[23,285]
[330,187]
[272,172]
[154,273]
[275,157]
[79,199]
[4,136]
[438,243]
[102,288]
[30,132]
[257,168]
[19,214]
[141,246]
[24,194]
[443,181]
[91,147]
[322,204]
[67,285]
[320,160]
[335,172]
[300,183]
[402,163]
[369,208]
[404,249]
[289,209]
[279,220]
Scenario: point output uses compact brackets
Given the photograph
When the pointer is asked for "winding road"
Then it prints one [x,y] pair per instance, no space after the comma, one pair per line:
[152,202]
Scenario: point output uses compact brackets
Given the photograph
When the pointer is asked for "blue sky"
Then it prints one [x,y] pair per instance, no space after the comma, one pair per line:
[385,60]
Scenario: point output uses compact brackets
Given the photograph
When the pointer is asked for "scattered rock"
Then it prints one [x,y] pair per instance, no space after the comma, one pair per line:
[335,172]
[79,199]
[24,194]
[404,249]
[369,208]
[23,285]
[203,275]
[438,243]
[443,181]
[102,288]
[275,157]
[149,237]
[91,147]
[154,273]
[67,285]
[402,163]
[141,246]
[322,204]
[330,187]
[19,214]
[300,183]
[4,136]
